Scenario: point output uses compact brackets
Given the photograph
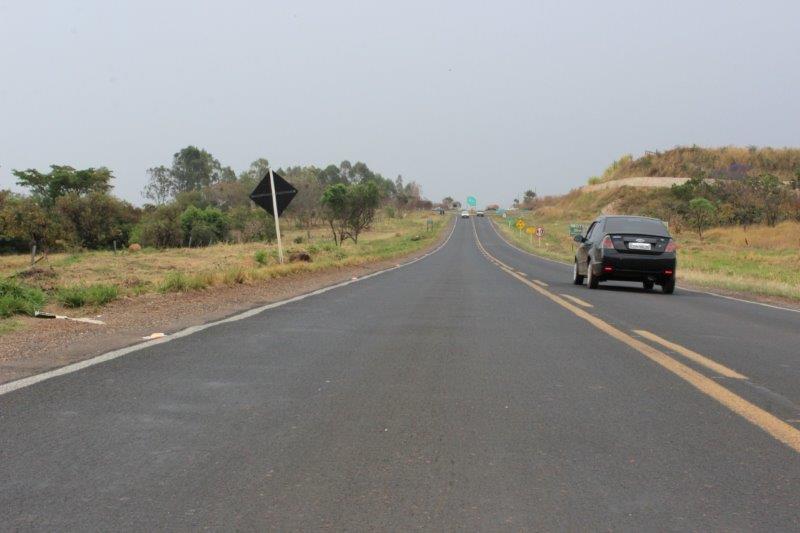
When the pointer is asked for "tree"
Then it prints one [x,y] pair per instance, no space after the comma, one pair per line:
[202,226]
[530,196]
[306,207]
[161,186]
[254,173]
[25,219]
[159,227]
[773,197]
[62,180]
[701,212]
[95,220]
[350,209]
[335,204]
[193,168]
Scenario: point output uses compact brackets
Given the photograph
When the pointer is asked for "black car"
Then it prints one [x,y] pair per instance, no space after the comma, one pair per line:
[626,248]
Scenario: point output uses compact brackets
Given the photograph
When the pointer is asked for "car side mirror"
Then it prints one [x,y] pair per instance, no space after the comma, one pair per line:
[580,239]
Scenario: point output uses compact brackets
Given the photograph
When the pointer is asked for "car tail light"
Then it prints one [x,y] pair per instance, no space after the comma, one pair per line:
[607,243]
[668,272]
[671,246]
[608,268]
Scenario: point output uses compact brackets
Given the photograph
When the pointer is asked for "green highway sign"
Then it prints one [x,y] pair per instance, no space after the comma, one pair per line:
[575,229]
[472,201]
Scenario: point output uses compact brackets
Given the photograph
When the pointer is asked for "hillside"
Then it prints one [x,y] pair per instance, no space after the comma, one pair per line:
[694,161]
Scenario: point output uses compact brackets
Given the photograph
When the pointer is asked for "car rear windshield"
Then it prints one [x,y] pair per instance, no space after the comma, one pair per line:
[642,226]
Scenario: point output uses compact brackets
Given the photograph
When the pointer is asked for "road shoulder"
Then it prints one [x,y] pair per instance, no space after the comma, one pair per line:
[50,344]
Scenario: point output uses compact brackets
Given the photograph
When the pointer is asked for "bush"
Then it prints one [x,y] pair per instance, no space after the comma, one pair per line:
[80,295]
[159,228]
[19,299]
[261,257]
[204,225]
[298,239]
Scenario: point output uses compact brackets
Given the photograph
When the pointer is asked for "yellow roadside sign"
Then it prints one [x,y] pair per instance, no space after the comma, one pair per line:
[531,230]
[520,224]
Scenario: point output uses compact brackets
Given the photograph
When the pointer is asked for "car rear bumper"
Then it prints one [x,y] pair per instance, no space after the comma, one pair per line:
[636,267]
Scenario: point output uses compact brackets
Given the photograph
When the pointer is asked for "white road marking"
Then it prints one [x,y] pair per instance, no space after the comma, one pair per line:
[114,354]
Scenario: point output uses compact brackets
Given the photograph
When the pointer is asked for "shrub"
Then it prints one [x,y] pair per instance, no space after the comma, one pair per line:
[80,295]
[204,225]
[261,257]
[159,228]
[298,239]
[19,299]
[174,282]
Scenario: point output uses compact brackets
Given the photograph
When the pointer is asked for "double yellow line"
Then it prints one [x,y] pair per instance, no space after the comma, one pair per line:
[776,427]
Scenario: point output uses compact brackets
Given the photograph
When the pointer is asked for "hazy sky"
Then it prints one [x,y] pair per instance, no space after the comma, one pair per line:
[484,98]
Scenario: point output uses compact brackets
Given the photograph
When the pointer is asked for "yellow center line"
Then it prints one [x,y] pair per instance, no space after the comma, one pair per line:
[542,283]
[577,300]
[692,355]
[777,428]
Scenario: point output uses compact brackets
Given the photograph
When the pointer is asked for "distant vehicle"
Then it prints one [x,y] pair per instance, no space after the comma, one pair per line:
[479,213]
[465,214]
[626,248]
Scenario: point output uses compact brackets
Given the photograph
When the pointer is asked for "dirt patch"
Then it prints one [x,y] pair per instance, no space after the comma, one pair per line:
[42,345]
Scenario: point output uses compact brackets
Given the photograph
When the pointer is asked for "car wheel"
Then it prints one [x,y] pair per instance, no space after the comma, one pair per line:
[591,280]
[577,279]
[648,284]
[668,286]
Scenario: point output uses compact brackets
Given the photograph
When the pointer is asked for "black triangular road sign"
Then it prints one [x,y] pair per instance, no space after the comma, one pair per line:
[284,191]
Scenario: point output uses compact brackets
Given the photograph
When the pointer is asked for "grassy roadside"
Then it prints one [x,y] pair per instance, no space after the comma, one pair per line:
[93,279]
[761,261]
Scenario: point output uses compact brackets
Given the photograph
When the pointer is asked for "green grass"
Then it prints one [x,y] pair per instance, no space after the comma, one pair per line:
[19,299]
[81,295]
[261,257]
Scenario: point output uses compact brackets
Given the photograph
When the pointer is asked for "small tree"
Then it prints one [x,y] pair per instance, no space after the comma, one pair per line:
[701,212]
[350,209]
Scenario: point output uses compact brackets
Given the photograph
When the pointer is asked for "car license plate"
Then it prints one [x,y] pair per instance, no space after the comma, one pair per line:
[639,246]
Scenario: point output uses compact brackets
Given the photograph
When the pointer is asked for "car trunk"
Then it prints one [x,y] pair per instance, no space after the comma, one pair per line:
[639,244]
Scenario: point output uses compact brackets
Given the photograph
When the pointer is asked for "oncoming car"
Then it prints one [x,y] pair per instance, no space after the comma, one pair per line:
[479,214]
[465,214]
[626,248]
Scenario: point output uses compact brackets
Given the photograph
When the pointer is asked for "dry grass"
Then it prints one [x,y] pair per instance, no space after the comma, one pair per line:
[689,161]
[186,269]
[762,260]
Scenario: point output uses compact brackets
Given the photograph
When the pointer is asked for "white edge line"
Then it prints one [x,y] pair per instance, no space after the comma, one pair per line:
[114,354]
[681,287]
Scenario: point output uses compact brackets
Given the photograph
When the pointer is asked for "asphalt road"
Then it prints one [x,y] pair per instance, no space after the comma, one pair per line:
[460,392]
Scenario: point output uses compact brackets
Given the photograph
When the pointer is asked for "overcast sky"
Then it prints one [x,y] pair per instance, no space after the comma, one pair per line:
[465,97]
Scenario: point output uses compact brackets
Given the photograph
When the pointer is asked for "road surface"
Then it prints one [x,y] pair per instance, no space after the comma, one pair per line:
[475,389]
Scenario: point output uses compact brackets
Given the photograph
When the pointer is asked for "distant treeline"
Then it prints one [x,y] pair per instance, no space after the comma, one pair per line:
[195,201]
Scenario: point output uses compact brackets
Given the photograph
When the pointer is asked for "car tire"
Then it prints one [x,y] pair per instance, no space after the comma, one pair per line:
[668,286]
[591,280]
[577,279]
[648,284]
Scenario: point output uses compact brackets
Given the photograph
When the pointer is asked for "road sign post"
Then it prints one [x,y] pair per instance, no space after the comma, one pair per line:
[540,234]
[276,193]
[275,214]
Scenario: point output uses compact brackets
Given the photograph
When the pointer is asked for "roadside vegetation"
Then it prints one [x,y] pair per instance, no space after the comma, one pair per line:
[99,277]
[199,229]
[736,220]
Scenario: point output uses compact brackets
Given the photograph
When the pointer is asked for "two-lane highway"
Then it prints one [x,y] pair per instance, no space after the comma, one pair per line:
[447,394]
